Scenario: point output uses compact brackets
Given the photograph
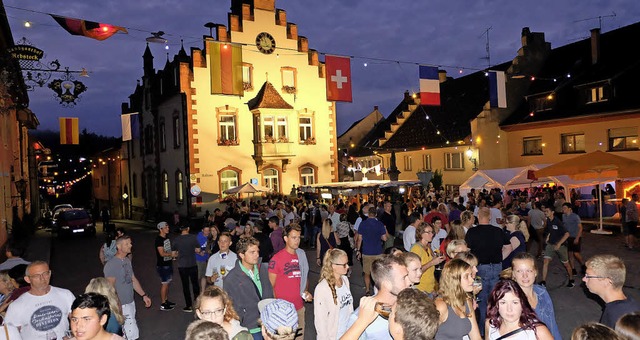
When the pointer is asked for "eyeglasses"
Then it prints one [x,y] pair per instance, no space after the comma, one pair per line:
[41,275]
[210,313]
[344,265]
[595,277]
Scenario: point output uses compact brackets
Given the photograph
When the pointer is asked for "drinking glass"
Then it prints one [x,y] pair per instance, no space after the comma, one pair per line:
[223,270]
[477,286]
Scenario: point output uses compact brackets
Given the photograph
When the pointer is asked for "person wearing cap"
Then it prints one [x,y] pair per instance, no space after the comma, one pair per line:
[287,273]
[248,283]
[164,267]
[187,246]
[222,261]
[279,319]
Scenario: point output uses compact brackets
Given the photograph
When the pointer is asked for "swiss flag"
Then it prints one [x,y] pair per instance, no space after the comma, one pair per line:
[338,78]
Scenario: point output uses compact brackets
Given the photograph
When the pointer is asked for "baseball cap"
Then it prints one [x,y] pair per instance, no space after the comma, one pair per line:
[230,223]
[250,223]
[162,225]
[278,313]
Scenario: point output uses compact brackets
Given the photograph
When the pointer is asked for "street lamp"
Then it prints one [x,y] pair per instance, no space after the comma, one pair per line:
[472,159]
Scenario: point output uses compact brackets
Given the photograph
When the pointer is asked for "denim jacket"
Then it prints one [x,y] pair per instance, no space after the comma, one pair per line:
[545,311]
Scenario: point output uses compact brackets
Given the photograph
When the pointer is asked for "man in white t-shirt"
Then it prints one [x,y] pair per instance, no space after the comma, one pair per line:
[409,234]
[42,312]
[222,262]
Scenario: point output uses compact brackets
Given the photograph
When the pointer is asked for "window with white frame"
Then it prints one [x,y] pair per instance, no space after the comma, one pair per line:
[572,142]
[247,76]
[624,138]
[306,131]
[268,127]
[307,175]
[407,163]
[426,162]
[453,161]
[179,187]
[227,128]
[228,179]
[165,186]
[532,146]
[289,82]
[271,179]
[282,127]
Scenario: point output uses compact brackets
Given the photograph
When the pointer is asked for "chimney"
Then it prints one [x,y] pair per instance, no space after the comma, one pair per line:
[221,33]
[407,96]
[124,108]
[442,76]
[595,45]
[375,108]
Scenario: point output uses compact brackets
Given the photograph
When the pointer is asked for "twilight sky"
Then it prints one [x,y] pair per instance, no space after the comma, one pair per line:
[438,32]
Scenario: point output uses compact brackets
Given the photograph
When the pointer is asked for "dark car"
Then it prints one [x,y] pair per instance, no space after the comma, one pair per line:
[74,222]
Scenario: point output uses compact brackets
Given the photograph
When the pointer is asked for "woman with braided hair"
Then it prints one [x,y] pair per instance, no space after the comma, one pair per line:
[333,302]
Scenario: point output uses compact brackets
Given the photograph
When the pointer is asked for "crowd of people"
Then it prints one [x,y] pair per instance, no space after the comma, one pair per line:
[462,268]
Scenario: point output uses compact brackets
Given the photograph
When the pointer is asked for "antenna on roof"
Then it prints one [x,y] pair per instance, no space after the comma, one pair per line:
[600,17]
[488,57]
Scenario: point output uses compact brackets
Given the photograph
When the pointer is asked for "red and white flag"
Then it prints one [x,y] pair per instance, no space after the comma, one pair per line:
[338,78]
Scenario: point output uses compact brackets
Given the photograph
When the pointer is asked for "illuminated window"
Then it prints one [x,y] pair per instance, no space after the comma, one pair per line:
[426,162]
[532,146]
[165,186]
[625,138]
[453,161]
[572,143]
[179,187]
[307,175]
[407,163]
[271,179]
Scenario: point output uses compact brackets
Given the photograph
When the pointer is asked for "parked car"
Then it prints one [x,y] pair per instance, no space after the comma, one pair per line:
[56,211]
[74,221]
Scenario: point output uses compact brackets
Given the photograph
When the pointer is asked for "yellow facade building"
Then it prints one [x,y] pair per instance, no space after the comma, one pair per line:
[280,132]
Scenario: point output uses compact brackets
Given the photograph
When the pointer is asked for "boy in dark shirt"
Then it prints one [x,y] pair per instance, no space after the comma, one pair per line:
[557,235]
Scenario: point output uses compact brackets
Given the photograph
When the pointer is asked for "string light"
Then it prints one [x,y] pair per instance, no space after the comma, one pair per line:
[27,24]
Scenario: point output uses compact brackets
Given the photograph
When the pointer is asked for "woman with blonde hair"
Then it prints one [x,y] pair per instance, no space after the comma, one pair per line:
[216,306]
[333,302]
[428,260]
[325,240]
[518,236]
[456,247]
[457,317]
[101,285]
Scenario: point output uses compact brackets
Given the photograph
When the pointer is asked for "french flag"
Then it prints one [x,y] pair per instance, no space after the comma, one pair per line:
[429,86]
[497,89]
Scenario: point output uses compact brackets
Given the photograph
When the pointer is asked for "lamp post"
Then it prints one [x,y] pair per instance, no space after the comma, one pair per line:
[21,187]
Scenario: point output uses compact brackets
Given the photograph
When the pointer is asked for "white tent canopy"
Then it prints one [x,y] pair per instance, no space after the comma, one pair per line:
[515,178]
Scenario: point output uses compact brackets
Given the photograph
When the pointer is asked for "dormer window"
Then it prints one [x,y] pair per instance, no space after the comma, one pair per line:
[597,94]
[541,103]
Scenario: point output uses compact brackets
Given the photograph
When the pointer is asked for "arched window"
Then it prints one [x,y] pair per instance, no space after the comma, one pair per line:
[307,175]
[228,179]
[271,179]
[179,187]
[165,186]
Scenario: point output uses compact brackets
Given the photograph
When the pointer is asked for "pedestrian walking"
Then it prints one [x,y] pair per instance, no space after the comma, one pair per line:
[164,265]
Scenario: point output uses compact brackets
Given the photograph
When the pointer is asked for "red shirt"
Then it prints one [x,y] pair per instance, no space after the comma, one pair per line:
[288,277]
